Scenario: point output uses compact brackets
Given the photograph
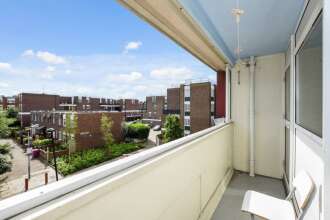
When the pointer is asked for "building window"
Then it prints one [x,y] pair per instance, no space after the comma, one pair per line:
[186,121]
[309,81]
[187,107]
[187,113]
[187,91]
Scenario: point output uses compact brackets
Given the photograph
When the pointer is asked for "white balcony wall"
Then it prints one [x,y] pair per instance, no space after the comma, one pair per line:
[269,123]
[184,183]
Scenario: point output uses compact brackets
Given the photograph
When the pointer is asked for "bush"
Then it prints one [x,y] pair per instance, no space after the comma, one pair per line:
[138,130]
[120,149]
[5,164]
[4,148]
[40,143]
[80,160]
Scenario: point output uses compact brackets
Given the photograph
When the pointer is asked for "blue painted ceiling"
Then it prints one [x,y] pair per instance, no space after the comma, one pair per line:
[265,27]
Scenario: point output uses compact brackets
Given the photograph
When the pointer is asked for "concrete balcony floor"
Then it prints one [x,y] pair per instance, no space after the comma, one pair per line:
[229,207]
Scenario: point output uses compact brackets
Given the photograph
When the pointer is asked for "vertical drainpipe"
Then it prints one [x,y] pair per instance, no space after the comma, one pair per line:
[252,115]
[227,115]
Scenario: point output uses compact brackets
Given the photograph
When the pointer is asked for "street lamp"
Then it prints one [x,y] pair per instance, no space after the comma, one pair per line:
[51,133]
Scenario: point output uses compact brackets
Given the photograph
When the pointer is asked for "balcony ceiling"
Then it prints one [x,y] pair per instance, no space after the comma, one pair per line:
[265,28]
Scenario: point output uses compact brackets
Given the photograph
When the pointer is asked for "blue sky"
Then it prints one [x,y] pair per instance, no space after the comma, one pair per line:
[94,48]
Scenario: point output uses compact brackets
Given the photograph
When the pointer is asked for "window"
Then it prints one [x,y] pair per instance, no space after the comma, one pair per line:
[309,81]
[287,94]
[187,121]
[187,91]
[187,107]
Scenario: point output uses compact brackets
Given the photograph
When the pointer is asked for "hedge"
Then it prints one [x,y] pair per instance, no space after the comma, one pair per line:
[138,130]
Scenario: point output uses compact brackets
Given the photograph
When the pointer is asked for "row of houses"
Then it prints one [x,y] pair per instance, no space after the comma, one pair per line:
[25,103]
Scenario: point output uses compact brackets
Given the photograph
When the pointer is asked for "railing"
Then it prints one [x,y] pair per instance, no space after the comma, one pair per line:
[183,179]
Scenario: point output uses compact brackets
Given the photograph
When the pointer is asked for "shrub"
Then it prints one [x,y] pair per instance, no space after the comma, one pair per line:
[39,143]
[5,164]
[4,148]
[80,160]
[120,149]
[138,130]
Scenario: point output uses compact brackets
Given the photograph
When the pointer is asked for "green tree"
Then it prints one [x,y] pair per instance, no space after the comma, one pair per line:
[70,129]
[12,113]
[106,126]
[4,129]
[172,127]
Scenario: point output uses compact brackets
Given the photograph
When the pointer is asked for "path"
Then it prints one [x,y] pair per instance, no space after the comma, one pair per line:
[14,180]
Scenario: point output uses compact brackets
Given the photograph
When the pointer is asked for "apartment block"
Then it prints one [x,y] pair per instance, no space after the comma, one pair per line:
[132,108]
[7,102]
[155,106]
[197,106]
[109,104]
[172,105]
[28,102]
[88,134]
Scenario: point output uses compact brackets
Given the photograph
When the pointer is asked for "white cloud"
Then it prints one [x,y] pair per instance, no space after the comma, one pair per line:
[4,85]
[28,53]
[45,56]
[181,73]
[124,78]
[50,57]
[133,45]
[50,68]
[5,66]
[68,71]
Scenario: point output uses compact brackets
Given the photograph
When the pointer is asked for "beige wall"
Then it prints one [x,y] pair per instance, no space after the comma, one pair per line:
[185,183]
[269,124]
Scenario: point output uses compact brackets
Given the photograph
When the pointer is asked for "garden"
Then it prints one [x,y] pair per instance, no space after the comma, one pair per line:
[135,135]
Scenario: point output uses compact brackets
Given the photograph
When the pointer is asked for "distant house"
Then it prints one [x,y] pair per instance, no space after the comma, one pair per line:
[88,133]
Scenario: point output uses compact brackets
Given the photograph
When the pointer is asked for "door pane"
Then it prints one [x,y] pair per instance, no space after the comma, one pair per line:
[309,81]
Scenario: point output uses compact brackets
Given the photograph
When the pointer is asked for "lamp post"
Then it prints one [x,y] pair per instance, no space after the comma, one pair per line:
[51,132]
[29,153]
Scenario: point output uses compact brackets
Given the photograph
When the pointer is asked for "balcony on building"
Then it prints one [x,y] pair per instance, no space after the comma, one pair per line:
[274,101]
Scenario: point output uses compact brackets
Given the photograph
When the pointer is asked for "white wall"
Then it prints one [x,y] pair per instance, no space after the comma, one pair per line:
[269,123]
[185,183]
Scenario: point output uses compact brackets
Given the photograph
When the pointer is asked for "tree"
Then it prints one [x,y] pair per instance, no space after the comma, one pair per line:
[172,127]
[106,126]
[4,129]
[12,113]
[70,130]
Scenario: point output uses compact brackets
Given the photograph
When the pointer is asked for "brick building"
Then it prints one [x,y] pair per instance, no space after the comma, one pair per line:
[172,105]
[197,106]
[132,108]
[28,102]
[154,107]
[7,102]
[88,134]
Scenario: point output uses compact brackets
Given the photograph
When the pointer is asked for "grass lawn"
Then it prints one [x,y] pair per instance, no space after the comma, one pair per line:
[91,157]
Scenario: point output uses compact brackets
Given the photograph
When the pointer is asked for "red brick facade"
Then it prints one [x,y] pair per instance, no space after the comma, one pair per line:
[88,134]
[220,95]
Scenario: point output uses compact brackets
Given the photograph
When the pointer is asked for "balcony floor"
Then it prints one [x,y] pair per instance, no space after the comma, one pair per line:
[229,207]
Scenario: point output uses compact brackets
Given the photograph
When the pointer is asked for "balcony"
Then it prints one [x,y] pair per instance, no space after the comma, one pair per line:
[205,175]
